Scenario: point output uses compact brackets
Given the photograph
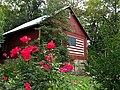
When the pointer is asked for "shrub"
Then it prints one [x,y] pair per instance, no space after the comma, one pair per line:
[34,69]
[104,65]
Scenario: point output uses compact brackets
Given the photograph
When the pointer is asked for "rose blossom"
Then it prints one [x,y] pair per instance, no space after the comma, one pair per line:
[27,86]
[68,67]
[26,53]
[25,39]
[5,54]
[47,67]
[34,48]
[14,51]
[5,78]
[51,45]
[48,57]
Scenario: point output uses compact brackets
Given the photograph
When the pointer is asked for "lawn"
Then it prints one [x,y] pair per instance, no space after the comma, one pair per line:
[82,83]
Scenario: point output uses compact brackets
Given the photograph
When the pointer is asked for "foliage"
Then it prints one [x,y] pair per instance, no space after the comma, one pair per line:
[52,5]
[54,28]
[2,23]
[18,12]
[104,66]
[104,49]
[22,11]
[83,83]
[34,68]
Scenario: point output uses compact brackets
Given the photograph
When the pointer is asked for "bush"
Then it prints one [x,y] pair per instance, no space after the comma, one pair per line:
[34,69]
[104,65]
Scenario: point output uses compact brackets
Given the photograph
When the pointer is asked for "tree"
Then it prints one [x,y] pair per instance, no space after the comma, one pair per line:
[104,50]
[20,11]
[54,28]
[2,23]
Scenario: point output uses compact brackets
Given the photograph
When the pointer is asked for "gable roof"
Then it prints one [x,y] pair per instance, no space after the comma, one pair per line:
[40,19]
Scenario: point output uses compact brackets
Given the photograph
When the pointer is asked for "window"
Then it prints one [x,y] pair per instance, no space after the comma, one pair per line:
[72,41]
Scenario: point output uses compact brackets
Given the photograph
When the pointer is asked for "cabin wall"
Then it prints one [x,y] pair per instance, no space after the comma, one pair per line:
[75,26]
[76,52]
[12,40]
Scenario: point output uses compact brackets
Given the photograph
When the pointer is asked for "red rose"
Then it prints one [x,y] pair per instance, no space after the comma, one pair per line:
[34,48]
[5,78]
[63,70]
[48,57]
[26,54]
[51,45]
[14,51]
[27,86]
[42,64]
[68,67]
[47,67]
[25,39]
[5,54]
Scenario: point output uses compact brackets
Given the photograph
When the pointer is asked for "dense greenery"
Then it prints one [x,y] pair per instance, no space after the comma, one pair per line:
[54,29]
[2,23]
[38,68]
[104,49]
[18,12]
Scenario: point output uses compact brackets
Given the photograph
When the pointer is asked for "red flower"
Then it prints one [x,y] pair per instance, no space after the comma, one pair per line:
[42,63]
[63,70]
[5,78]
[47,67]
[5,54]
[48,57]
[68,67]
[34,48]
[25,39]
[26,54]
[14,51]
[51,45]
[27,86]
[52,60]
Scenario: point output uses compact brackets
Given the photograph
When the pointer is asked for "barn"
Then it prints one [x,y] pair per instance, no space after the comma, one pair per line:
[77,39]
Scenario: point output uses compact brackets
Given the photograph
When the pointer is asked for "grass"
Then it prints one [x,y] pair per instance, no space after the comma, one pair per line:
[82,83]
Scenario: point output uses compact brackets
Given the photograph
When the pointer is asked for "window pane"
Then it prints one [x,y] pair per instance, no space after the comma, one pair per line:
[72,41]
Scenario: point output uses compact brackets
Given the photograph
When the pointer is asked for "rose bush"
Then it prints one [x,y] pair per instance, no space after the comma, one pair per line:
[34,69]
